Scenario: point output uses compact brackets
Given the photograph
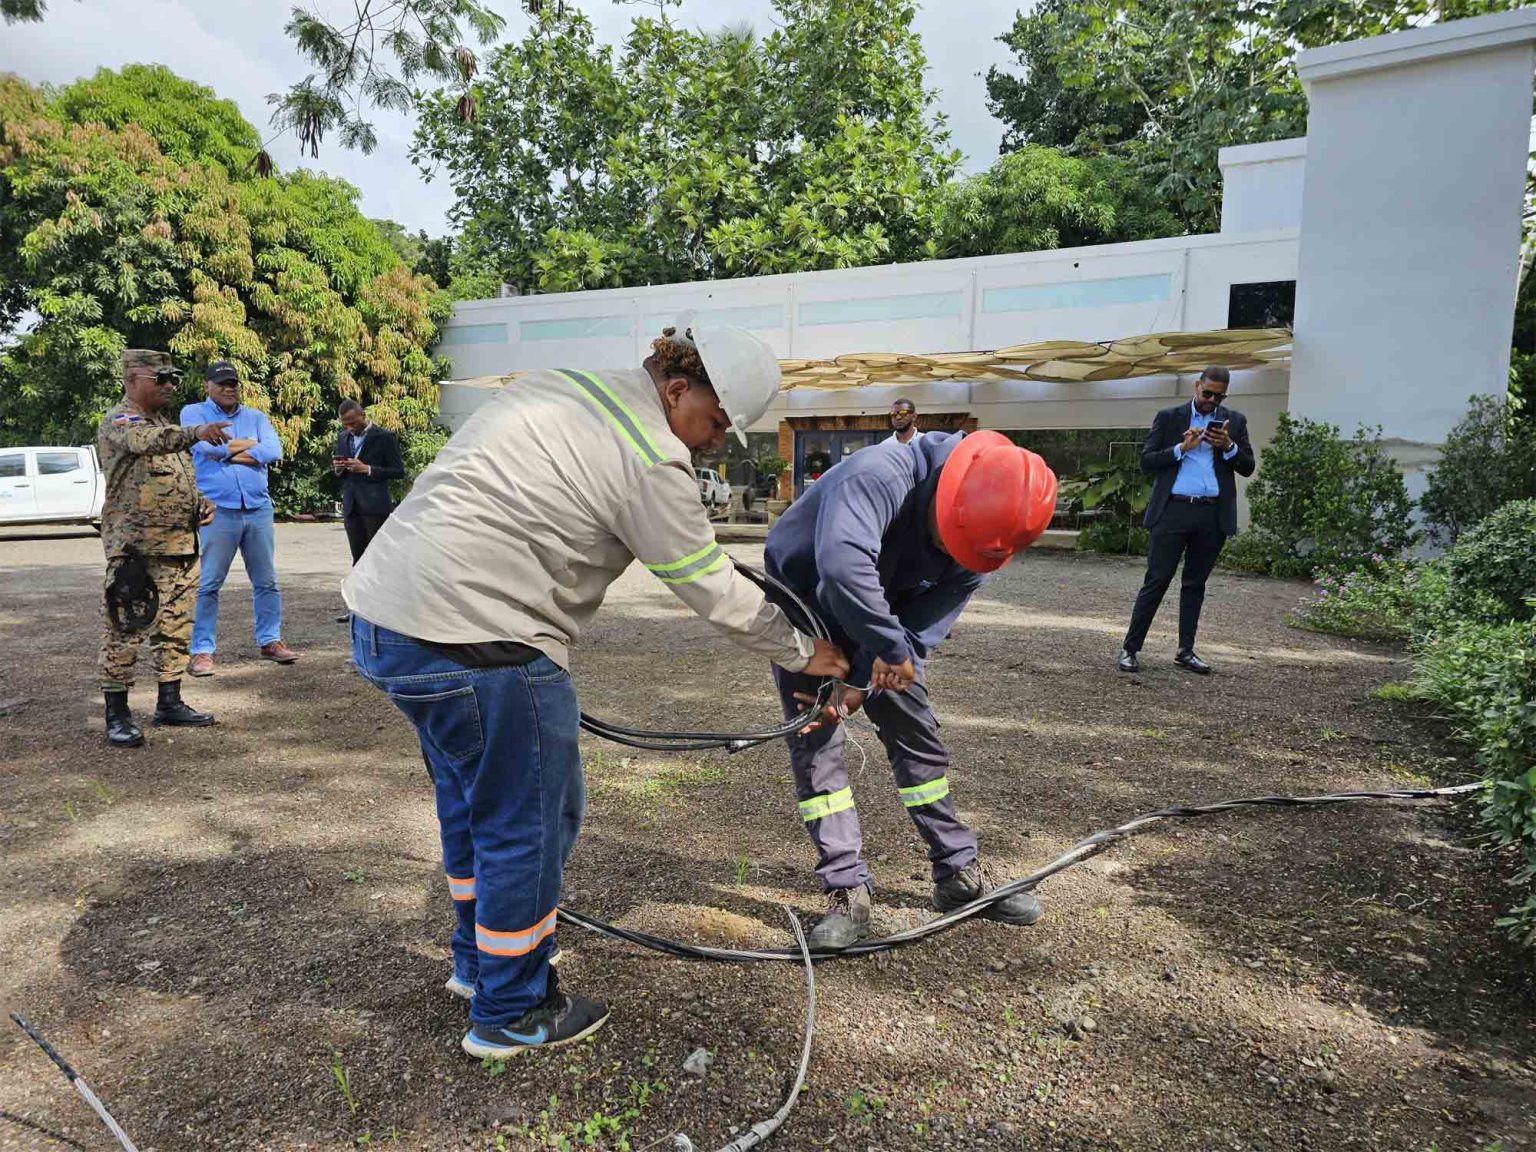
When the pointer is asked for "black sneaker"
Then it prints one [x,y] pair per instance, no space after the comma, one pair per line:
[846,920]
[970,883]
[558,1021]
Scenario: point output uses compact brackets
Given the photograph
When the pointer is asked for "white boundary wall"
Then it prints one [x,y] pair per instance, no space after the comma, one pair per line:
[1098,293]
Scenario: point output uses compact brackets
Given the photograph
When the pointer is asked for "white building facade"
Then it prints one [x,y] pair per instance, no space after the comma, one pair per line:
[1391,234]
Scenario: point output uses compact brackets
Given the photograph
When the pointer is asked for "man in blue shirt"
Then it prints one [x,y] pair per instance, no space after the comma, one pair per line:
[1195,451]
[889,546]
[233,477]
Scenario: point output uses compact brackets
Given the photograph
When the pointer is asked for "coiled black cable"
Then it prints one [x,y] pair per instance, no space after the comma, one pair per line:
[802,617]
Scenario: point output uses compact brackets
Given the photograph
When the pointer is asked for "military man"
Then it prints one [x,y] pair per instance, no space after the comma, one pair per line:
[149,523]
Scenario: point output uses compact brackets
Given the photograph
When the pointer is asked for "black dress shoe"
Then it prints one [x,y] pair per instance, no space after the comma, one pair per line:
[1188,661]
[1128,661]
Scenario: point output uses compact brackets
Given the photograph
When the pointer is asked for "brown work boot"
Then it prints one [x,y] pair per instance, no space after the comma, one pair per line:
[202,665]
[279,652]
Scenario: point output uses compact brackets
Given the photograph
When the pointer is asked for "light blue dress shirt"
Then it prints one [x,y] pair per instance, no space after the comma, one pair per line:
[1197,467]
[234,485]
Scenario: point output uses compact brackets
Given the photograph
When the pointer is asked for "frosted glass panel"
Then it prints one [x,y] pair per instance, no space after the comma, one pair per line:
[1080,294]
[578,328]
[475,334]
[751,316]
[926,306]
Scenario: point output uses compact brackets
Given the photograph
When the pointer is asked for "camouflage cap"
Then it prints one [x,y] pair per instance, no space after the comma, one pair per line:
[147,358]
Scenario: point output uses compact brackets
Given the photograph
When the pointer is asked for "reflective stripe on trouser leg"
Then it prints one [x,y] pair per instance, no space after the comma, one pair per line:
[458,865]
[920,763]
[821,787]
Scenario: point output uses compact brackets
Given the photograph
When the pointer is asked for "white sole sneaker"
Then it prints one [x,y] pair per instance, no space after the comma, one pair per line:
[465,991]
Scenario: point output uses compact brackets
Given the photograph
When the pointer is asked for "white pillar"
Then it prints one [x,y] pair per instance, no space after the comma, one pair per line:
[1410,232]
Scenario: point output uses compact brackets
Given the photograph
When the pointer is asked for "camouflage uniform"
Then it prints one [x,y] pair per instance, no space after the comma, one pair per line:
[151,506]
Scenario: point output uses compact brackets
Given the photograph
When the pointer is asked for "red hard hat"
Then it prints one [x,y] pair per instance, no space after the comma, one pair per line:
[995,499]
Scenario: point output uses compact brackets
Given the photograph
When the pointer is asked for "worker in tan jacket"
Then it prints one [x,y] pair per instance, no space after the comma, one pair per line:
[467,602]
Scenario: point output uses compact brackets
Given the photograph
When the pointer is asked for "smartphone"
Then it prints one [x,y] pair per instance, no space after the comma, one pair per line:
[1217,425]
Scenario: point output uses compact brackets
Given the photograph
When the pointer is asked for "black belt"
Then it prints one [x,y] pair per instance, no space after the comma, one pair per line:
[1195,499]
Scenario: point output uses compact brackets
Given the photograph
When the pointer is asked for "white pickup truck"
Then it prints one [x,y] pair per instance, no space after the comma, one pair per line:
[714,493]
[50,486]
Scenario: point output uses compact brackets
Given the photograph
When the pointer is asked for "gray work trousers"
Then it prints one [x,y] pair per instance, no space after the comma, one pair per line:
[919,763]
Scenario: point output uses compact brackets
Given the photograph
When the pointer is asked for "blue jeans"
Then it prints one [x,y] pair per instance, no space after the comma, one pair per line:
[248,530]
[501,746]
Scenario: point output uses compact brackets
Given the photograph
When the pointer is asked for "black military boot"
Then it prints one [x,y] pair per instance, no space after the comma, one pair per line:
[122,732]
[172,710]
[970,883]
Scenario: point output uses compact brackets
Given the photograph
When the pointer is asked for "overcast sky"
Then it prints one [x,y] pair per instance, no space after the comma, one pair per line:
[240,51]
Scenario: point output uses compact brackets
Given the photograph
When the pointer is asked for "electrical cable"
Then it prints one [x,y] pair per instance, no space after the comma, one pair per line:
[1084,849]
[804,619]
[80,1085]
[760,1131]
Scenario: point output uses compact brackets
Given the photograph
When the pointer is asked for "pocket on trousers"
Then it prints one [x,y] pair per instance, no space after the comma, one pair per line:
[448,722]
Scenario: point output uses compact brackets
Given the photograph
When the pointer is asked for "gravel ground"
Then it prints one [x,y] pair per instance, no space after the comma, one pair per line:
[238,934]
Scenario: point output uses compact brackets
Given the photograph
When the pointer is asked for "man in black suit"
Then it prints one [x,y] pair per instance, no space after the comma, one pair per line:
[366,458]
[1194,451]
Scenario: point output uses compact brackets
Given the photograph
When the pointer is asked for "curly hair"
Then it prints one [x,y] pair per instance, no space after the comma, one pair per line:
[676,355]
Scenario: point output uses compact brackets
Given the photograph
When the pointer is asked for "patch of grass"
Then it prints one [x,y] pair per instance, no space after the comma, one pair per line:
[69,810]
[356,875]
[863,1106]
[743,869]
[1328,735]
[1396,691]
[102,794]
[343,1083]
[1153,733]
[1409,775]
[492,1068]
[658,781]
[608,1126]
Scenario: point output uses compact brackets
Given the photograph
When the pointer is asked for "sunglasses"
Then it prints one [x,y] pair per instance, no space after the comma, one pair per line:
[1207,394]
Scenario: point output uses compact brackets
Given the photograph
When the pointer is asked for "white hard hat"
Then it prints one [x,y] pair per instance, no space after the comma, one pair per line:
[743,370]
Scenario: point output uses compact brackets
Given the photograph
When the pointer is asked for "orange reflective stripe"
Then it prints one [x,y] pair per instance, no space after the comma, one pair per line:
[514,943]
[461,888]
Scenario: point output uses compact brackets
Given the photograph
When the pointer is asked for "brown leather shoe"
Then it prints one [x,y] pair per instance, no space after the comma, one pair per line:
[279,652]
[202,665]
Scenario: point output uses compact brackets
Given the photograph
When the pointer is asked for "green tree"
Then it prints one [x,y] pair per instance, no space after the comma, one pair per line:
[692,155]
[1488,460]
[1038,198]
[1323,503]
[115,243]
[1167,83]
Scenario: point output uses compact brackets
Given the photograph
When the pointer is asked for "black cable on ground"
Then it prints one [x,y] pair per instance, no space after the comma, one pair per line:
[1085,848]
[80,1085]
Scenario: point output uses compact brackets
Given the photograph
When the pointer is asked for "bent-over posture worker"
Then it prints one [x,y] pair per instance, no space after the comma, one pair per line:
[467,602]
[890,545]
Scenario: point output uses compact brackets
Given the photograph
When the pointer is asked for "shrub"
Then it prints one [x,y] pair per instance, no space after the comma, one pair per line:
[1488,459]
[1505,734]
[1455,666]
[1323,503]
[1114,536]
[1495,562]
[1371,603]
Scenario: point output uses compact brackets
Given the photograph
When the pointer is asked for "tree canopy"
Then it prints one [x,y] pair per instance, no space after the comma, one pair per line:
[1165,84]
[129,217]
[691,155]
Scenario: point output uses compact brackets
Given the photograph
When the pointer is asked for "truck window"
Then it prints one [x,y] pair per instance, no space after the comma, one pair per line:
[57,463]
[12,464]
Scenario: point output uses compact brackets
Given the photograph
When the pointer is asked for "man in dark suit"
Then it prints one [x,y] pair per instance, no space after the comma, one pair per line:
[1194,451]
[366,458]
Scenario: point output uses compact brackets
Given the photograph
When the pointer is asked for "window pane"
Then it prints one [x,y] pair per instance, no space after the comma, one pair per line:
[57,463]
[12,464]
[1270,304]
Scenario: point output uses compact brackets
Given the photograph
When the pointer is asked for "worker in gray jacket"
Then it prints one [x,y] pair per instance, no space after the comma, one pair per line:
[468,600]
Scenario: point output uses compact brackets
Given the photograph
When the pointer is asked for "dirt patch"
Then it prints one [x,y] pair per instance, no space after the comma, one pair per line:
[239,934]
